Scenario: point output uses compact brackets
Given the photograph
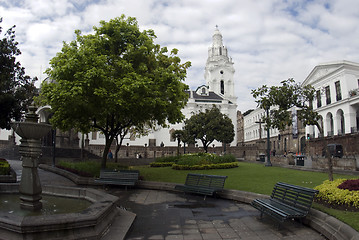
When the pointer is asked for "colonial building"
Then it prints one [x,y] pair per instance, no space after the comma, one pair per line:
[337,98]
[290,140]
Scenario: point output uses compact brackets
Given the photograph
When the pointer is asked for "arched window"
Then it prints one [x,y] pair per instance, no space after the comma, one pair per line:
[329,122]
[172,139]
[340,124]
[222,87]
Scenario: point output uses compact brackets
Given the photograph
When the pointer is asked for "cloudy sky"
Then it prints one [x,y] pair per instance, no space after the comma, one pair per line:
[268,40]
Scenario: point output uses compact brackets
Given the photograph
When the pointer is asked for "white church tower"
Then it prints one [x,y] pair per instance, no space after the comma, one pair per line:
[219,70]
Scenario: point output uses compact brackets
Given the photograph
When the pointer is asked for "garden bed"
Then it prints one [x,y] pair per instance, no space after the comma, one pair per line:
[197,161]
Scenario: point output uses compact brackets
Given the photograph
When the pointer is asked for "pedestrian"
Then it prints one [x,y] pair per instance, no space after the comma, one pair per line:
[109,155]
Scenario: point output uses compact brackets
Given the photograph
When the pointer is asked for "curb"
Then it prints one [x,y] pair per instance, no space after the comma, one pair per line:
[323,223]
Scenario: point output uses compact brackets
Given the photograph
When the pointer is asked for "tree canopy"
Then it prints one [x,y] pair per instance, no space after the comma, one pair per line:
[280,99]
[115,79]
[209,126]
[16,88]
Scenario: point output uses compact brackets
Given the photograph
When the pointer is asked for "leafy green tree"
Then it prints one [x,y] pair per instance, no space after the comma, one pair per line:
[16,88]
[115,79]
[279,99]
[209,126]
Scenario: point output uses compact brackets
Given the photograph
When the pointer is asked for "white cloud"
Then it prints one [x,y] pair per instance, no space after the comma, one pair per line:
[269,41]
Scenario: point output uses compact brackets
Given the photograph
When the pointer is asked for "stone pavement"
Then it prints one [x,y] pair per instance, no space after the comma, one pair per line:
[169,215]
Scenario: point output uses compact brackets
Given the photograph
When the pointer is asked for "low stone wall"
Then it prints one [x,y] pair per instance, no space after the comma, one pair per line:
[338,163]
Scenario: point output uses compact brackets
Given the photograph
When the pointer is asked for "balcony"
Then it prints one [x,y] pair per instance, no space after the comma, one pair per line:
[354,92]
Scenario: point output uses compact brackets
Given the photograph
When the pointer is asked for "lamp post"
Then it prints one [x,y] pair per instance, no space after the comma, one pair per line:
[268,163]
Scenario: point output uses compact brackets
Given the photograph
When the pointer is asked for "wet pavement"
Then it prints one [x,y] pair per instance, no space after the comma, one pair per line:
[170,215]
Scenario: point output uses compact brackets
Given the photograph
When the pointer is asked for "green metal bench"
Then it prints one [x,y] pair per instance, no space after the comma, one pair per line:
[206,185]
[286,202]
[120,177]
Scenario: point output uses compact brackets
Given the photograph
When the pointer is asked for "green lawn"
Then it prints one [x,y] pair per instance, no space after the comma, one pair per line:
[249,177]
[257,178]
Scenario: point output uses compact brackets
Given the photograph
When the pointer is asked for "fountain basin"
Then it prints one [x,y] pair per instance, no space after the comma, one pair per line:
[90,223]
[31,130]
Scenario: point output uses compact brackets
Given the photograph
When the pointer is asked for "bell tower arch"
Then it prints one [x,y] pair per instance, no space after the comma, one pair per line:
[219,70]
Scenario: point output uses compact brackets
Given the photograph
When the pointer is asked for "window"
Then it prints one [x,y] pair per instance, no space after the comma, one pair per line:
[222,86]
[327,95]
[203,91]
[338,91]
[319,99]
[94,135]
[172,138]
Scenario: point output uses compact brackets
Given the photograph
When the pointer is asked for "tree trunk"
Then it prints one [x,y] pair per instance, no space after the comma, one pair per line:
[330,167]
[178,146]
[118,147]
[108,142]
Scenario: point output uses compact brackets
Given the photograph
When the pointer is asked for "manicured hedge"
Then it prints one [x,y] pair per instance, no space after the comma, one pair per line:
[205,166]
[196,161]
[330,193]
[161,164]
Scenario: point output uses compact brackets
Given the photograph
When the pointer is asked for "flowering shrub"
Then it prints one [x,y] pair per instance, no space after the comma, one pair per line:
[351,185]
[4,167]
[330,193]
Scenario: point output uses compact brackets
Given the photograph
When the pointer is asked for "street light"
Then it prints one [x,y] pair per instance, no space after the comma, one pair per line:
[268,164]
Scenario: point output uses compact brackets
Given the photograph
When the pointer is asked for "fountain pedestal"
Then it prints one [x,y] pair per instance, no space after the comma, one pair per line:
[30,132]
[30,185]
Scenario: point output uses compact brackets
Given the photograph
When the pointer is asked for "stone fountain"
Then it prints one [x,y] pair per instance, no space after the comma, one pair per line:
[35,222]
[31,133]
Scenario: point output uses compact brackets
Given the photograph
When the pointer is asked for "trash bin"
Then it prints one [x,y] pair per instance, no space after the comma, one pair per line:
[300,160]
[262,157]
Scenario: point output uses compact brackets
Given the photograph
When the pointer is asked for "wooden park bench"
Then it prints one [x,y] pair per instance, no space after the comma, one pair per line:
[286,202]
[203,184]
[120,177]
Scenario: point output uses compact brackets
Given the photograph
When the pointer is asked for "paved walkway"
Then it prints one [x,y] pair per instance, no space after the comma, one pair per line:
[169,215]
